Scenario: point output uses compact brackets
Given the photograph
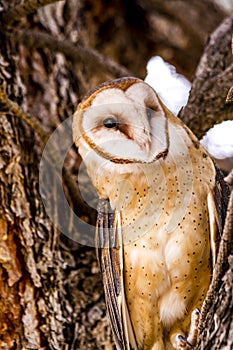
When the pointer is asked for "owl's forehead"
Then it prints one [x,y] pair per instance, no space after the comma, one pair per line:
[138,93]
[109,96]
[115,95]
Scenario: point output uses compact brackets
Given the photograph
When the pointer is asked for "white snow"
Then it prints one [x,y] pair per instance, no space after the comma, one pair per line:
[173,89]
[219,140]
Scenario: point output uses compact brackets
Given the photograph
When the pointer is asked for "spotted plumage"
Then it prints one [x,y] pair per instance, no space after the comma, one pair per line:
[161,185]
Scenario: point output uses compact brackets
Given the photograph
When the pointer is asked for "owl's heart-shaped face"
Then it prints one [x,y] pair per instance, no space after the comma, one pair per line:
[122,122]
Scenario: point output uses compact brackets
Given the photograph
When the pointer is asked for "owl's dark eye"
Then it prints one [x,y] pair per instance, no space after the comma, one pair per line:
[149,113]
[110,122]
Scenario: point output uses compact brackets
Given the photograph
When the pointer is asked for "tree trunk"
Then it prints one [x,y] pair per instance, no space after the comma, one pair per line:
[208,103]
[51,291]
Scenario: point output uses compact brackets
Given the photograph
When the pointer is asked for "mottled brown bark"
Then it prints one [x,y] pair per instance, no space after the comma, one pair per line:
[216,331]
[207,103]
[17,11]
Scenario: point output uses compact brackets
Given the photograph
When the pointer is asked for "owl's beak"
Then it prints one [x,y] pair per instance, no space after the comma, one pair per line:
[144,141]
[146,146]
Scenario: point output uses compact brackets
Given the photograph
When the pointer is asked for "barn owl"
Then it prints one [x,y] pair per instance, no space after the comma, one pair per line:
[159,213]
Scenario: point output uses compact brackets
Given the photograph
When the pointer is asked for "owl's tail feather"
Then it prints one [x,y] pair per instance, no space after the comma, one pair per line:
[109,250]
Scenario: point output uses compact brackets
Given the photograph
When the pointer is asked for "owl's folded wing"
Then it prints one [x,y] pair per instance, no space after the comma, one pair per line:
[109,249]
[217,205]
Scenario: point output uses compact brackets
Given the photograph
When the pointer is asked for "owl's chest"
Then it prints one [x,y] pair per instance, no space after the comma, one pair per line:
[146,272]
[158,258]
[167,237]
[166,250]
[164,272]
[165,228]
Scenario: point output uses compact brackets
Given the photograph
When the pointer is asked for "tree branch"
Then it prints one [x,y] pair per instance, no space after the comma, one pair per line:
[7,105]
[207,103]
[224,251]
[229,98]
[229,178]
[76,53]
[22,10]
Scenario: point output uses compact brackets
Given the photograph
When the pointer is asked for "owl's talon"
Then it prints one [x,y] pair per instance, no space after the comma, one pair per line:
[183,343]
[193,333]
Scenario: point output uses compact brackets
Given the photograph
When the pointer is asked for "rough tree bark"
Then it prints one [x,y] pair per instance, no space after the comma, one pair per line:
[50,290]
[212,82]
